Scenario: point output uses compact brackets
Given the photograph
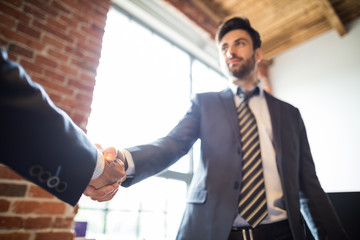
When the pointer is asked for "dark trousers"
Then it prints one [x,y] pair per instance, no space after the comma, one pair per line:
[273,231]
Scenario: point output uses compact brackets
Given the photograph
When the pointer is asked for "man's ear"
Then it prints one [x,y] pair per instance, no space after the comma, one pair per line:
[258,55]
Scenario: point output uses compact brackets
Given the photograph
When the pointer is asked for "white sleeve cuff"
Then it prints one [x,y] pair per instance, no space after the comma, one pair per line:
[131,166]
[100,164]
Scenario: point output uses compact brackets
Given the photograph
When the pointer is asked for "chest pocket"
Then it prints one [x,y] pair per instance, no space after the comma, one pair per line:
[197,196]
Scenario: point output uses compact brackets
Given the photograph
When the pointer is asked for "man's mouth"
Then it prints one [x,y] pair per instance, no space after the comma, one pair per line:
[234,61]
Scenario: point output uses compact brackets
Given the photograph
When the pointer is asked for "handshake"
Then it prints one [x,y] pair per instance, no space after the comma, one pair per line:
[105,186]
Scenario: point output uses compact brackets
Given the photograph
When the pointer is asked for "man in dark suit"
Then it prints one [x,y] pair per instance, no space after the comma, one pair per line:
[41,143]
[256,178]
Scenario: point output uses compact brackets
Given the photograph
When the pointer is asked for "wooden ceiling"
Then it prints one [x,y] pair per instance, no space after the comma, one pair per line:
[282,24]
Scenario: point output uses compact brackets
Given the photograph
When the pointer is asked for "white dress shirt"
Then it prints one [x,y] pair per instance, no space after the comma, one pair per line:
[273,187]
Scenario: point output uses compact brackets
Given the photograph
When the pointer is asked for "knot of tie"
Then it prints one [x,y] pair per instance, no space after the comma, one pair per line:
[247,95]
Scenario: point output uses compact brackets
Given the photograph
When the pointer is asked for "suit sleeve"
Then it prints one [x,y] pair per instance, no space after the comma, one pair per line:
[316,206]
[38,140]
[150,159]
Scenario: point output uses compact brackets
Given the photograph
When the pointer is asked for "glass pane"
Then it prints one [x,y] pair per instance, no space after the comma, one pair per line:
[142,86]
[94,218]
[205,79]
[151,209]
[122,225]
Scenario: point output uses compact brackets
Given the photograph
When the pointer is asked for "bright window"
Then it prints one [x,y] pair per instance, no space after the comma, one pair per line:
[143,88]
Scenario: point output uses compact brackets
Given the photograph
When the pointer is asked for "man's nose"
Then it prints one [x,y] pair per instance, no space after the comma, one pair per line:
[230,52]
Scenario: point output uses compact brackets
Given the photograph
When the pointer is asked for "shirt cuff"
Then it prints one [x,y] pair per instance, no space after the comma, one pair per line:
[131,166]
[100,164]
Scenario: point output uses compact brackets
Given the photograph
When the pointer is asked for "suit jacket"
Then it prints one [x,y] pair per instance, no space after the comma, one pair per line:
[38,140]
[213,194]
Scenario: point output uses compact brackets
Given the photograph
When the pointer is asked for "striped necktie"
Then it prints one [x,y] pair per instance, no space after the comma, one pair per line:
[252,205]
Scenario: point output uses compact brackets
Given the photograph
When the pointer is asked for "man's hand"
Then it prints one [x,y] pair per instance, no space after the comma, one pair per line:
[103,194]
[104,187]
[114,170]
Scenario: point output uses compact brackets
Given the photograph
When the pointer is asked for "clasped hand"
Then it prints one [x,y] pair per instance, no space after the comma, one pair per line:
[104,187]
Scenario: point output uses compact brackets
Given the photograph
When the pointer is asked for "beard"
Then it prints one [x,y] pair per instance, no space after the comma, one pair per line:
[244,69]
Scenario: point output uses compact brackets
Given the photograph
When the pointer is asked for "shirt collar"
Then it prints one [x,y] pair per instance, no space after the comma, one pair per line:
[260,85]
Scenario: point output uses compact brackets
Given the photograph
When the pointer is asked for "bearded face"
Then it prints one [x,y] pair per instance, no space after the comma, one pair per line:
[243,69]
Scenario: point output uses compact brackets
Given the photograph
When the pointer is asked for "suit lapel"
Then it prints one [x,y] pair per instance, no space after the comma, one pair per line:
[227,98]
[274,110]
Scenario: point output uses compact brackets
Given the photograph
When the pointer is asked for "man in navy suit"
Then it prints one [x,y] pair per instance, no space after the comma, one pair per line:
[293,192]
[40,142]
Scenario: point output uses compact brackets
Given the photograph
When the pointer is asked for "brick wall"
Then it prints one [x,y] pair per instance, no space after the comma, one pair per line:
[58,42]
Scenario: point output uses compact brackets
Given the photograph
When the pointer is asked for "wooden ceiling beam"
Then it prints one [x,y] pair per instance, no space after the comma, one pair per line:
[332,17]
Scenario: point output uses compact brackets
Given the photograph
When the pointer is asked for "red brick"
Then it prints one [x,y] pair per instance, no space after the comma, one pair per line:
[14,236]
[4,205]
[20,38]
[84,65]
[58,55]
[55,236]
[84,98]
[93,31]
[79,36]
[69,103]
[35,191]
[90,47]
[72,5]
[54,76]
[97,17]
[61,7]
[12,190]
[13,12]
[54,32]
[20,51]
[3,42]
[68,70]
[45,61]
[80,119]
[89,78]
[13,57]
[10,222]
[7,173]
[43,6]
[103,7]
[75,52]
[7,21]
[48,84]
[15,3]
[38,207]
[52,41]
[83,107]
[34,12]
[81,85]
[69,21]
[37,223]
[63,222]
[56,24]
[31,67]
[54,97]
[28,31]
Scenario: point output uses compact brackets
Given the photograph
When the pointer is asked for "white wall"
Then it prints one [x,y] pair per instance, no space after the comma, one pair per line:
[322,78]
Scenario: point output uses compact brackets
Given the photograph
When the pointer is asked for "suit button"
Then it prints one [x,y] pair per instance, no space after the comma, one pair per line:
[239,150]
[62,186]
[35,171]
[44,176]
[236,185]
[53,182]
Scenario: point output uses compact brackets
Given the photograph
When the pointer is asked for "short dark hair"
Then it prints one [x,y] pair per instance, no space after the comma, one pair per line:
[238,22]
